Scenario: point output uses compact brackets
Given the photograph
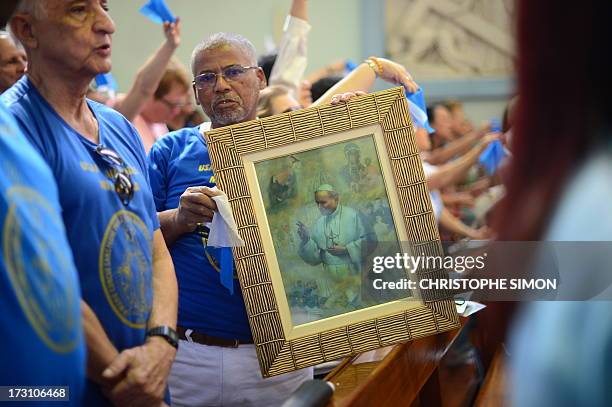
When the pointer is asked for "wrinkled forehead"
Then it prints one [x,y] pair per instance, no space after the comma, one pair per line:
[221,56]
[50,9]
[55,5]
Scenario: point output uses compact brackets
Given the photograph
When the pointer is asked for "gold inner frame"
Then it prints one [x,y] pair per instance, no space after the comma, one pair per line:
[249,160]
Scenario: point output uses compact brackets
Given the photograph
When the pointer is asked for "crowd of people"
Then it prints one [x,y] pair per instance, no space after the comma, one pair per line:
[106,267]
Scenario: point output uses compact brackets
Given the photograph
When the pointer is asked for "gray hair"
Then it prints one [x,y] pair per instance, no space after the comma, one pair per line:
[10,37]
[221,39]
[35,8]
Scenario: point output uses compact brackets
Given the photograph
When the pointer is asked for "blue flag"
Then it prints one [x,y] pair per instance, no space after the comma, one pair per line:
[349,66]
[106,81]
[496,126]
[418,110]
[227,268]
[492,156]
[158,12]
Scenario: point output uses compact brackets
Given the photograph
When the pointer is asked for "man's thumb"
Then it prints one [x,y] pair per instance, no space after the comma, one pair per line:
[117,366]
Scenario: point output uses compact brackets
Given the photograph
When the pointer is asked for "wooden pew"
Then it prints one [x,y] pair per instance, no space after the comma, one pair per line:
[421,372]
[494,390]
[400,379]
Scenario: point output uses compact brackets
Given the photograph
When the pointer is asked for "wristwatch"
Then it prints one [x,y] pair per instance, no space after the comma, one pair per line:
[165,332]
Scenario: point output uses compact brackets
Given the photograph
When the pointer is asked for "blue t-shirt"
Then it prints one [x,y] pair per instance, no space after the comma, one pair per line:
[111,243]
[176,162]
[40,318]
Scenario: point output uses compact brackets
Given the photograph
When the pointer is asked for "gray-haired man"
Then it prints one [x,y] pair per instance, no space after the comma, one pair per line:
[13,61]
[216,363]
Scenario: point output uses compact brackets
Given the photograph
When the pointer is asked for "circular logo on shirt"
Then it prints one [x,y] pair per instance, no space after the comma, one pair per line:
[40,269]
[125,268]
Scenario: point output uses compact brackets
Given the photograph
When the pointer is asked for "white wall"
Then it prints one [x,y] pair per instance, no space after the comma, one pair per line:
[336,33]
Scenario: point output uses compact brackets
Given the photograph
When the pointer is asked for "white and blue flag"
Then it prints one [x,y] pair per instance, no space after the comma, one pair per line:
[418,110]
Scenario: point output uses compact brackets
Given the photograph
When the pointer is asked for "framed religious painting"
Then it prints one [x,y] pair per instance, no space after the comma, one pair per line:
[328,201]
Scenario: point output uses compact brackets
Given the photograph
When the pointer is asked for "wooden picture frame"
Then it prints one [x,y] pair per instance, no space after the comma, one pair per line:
[238,152]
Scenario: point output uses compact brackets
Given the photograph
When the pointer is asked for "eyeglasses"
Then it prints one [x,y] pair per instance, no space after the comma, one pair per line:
[232,73]
[121,177]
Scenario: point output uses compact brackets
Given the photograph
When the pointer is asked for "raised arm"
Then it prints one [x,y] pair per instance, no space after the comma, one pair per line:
[455,225]
[362,78]
[454,148]
[148,76]
[299,9]
[291,61]
[453,171]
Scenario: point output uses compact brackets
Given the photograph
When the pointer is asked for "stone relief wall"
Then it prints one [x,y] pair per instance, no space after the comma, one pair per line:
[451,39]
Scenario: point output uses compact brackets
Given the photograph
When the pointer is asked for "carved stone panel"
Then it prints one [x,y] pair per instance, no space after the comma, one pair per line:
[451,39]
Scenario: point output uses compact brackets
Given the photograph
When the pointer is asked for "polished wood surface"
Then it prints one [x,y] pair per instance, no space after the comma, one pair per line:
[396,380]
[433,371]
[494,391]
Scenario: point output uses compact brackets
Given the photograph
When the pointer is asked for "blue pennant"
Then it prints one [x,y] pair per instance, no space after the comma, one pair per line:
[106,81]
[492,156]
[227,268]
[418,109]
[158,12]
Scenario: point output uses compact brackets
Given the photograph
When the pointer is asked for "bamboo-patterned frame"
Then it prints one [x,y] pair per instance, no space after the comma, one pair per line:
[227,145]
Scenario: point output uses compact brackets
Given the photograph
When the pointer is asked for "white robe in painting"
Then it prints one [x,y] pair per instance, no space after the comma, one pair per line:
[342,227]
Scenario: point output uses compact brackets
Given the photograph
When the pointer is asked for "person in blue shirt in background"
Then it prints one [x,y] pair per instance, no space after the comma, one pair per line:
[129,292]
[43,343]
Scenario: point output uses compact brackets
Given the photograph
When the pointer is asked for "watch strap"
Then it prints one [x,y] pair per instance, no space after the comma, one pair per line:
[165,332]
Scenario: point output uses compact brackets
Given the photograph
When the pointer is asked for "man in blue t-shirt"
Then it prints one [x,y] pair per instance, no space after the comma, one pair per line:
[216,363]
[127,280]
[43,342]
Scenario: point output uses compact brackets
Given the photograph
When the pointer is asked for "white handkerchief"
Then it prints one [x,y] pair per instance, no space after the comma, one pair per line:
[223,229]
